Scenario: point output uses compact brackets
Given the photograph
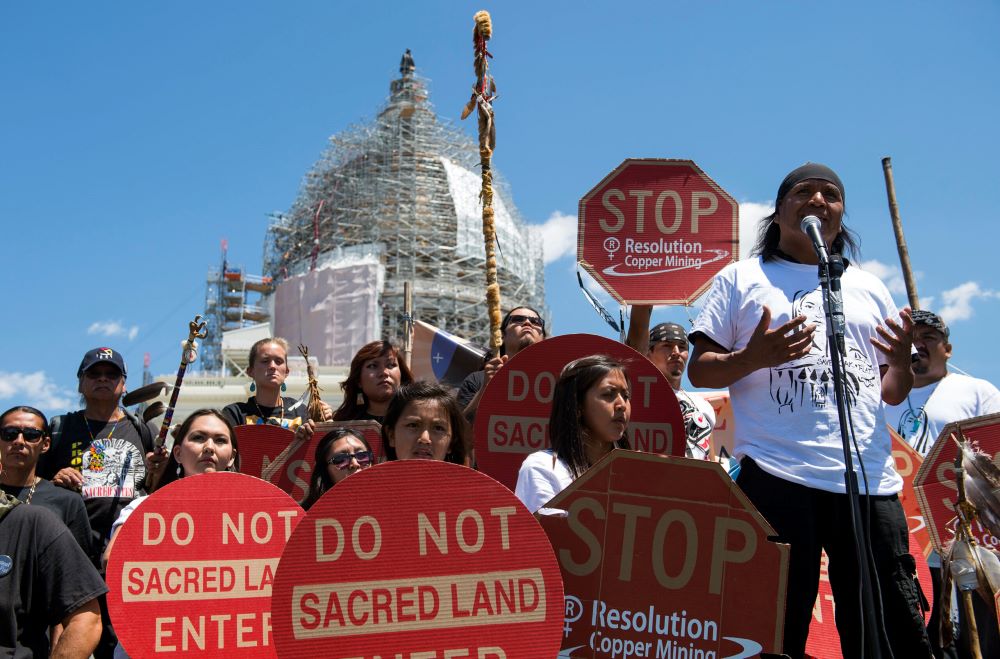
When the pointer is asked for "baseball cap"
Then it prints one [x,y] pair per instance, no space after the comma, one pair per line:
[102,356]
[921,317]
[667,332]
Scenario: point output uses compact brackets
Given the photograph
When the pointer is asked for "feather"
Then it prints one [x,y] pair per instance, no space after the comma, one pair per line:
[982,486]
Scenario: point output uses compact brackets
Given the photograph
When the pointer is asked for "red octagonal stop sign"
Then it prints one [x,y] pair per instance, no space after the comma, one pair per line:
[656,231]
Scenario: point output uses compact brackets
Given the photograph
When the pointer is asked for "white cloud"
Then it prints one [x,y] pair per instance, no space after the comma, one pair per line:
[891,275]
[113,328]
[559,236]
[957,303]
[751,213]
[35,389]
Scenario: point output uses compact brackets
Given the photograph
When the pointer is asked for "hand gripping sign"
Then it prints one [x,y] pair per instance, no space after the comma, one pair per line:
[935,481]
[513,417]
[272,453]
[191,570]
[418,560]
[656,231]
[665,557]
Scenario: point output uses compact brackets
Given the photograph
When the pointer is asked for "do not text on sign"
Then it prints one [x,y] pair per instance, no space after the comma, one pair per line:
[656,231]
[192,568]
[513,417]
[441,561]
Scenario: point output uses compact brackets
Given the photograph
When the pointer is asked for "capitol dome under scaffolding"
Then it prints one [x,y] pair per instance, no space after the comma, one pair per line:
[393,200]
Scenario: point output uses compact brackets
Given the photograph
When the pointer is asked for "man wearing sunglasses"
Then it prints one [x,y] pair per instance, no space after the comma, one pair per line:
[520,328]
[24,437]
[100,451]
[666,345]
[48,586]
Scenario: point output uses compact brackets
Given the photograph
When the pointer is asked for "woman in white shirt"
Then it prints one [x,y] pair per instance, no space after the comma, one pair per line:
[591,408]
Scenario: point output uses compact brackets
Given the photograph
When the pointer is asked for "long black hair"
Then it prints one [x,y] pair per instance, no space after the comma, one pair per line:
[846,243]
[320,480]
[461,437]
[173,469]
[566,418]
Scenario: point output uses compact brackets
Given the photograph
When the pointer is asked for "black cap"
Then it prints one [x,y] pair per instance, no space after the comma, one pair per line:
[921,317]
[667,332]
[102,356]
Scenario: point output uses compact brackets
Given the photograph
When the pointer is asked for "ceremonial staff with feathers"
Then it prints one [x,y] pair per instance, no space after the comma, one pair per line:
[483,94]
[189,353]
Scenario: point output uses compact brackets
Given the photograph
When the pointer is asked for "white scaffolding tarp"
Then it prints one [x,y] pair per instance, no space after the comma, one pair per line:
[333,310]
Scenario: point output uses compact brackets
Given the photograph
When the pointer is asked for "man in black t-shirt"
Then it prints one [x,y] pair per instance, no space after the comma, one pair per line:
[100,452]
[520,328]
[45,580]
[24,437]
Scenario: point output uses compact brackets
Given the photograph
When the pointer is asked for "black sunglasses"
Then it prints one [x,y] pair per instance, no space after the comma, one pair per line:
[10,433]
[343,460]
[518,319]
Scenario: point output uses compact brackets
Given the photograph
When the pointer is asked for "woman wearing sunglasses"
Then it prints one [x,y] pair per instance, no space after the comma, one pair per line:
[341,452]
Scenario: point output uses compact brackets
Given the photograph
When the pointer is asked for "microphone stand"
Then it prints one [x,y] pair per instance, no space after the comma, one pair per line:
[830,270]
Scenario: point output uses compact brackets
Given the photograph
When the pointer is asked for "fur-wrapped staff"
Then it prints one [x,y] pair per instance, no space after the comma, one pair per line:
[189,353]
[483,94]
[971,566]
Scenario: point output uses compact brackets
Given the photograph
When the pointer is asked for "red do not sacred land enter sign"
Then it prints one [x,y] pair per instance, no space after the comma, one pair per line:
[513,416]
[656,231]
[191,570]
[413,559]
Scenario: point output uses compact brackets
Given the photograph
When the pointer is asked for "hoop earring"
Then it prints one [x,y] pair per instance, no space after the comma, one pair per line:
[253,386]
[284,387]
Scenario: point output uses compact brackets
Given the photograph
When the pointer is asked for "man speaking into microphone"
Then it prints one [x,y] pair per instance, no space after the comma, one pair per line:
[762,333]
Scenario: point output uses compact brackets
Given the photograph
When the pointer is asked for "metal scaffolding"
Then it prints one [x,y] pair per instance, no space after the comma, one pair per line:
[233,300]
[404,186]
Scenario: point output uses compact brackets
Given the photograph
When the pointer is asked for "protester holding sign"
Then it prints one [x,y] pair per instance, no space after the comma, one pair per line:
[761,334]
[341,452]
[268,366]
[377,371]
[204,443]
[520,328]
[424,422]
[591,407]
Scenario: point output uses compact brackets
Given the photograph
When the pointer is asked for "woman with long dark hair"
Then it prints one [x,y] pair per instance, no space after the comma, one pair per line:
[377,371]
[423,422]
[591,407]
[341,452]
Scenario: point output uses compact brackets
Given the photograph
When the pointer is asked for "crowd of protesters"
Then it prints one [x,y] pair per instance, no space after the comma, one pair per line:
[70,483]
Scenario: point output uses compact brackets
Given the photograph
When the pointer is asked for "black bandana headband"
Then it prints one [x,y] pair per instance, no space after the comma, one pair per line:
[805,172]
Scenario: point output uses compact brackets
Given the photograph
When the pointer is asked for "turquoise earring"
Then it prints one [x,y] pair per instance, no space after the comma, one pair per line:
[253,386]
[284,387]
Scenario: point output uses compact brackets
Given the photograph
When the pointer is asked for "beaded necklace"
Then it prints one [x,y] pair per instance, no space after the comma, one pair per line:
[263,419]
[90,432]
[31,492]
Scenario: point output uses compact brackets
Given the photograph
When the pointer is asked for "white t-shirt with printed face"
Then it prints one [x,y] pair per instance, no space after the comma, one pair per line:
[928,409]
[785,417]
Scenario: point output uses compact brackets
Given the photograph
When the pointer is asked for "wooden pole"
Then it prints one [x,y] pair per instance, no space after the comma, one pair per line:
[483,94]
[408,324]
[897,228]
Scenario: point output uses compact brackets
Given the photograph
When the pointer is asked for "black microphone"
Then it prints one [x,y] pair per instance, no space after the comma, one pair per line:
[810,226]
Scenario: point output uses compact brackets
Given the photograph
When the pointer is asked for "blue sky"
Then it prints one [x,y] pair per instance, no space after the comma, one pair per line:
[135,136]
